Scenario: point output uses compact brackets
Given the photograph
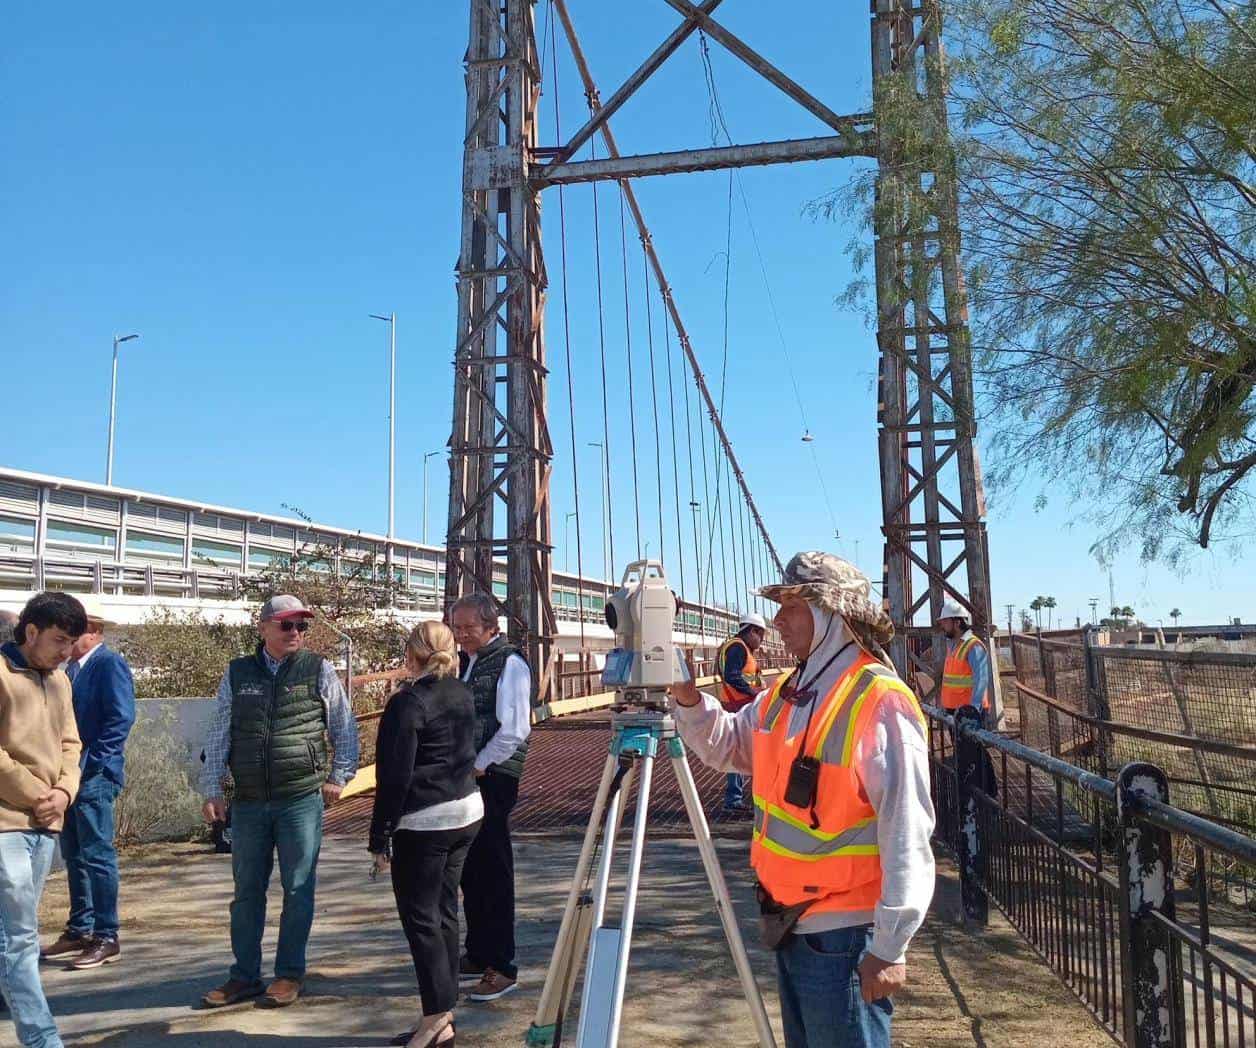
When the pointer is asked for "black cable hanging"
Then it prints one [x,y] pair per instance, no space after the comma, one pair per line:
[632,403]
[695,507]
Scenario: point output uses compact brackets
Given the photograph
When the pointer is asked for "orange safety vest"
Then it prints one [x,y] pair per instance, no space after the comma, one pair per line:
[834,865]
[731,698]
[957,677]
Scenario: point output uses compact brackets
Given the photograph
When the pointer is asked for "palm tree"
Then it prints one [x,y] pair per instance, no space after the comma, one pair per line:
[1127,613]
[1048,603]
[1036,605]
[1175,614]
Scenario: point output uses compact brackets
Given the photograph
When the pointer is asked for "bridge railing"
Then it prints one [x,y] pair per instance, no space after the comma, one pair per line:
[1083,867]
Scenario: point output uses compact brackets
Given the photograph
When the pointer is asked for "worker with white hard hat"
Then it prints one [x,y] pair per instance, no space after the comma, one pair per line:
[739,670]
[966,675]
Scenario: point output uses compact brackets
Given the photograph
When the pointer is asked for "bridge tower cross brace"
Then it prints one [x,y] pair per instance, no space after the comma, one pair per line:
[500,447]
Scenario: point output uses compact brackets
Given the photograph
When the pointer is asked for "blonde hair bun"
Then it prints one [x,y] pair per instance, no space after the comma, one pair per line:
[432,643]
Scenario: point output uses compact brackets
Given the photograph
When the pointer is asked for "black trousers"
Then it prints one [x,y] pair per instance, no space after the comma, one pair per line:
[488,880]
[426,868]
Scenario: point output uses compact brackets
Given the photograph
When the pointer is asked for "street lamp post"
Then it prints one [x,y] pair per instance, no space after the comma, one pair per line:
[391,320]
[425,458]
[567,542]
[113,404]
[606,541]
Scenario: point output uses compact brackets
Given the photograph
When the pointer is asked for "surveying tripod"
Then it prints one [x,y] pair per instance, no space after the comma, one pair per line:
[637,737]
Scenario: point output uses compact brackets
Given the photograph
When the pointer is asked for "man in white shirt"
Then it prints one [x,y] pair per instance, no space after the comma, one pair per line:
[501,682]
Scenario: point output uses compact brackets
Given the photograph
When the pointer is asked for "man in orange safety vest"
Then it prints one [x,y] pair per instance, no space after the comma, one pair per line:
[739,672]
[842,811]
[966,673]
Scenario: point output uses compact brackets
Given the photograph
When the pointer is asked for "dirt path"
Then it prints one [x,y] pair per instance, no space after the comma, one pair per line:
[963,989]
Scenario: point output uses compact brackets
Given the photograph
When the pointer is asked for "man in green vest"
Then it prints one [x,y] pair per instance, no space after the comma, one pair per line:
[501,682]
[275,710]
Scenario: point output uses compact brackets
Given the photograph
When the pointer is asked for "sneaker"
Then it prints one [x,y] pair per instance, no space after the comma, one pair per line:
[68,943]
[469,974]
[492,986]
[98,952]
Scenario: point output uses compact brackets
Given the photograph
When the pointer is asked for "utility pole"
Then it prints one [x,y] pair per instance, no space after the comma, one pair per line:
[1010,608]
[425,458]
[1094,610]
[113,404]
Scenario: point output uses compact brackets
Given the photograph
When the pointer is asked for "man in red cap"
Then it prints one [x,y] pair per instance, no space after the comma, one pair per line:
[275,711]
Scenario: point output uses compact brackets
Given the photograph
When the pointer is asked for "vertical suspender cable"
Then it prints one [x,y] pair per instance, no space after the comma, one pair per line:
[571,389]
[609,569]
[671,412]
[654,396]
[632,403]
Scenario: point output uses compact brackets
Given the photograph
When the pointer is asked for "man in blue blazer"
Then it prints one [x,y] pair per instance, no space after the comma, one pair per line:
[104,708]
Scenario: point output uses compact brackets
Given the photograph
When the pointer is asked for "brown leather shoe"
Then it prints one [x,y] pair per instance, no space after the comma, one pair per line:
[98,952]
[67,944]
[282,992]
[492,986]
[232,992]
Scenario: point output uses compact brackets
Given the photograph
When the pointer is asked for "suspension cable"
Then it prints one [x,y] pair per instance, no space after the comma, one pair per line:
[632,403]
[671,411]
[571,389]
[654,394]
[609,568]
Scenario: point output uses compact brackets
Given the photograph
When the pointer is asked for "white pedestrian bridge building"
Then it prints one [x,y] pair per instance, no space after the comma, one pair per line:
[140,551]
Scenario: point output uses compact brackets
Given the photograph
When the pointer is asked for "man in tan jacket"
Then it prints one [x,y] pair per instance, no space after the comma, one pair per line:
[39,776]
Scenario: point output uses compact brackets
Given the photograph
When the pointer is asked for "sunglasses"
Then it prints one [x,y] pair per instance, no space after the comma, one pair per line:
[300,626]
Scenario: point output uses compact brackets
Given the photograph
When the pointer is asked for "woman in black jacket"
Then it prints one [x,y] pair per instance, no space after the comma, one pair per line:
[427,812]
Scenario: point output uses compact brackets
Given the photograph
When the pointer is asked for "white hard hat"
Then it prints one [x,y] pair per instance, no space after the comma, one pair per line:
[751,619]
[952,610]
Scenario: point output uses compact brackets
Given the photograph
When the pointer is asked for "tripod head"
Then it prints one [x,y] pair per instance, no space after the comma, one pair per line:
[645,661]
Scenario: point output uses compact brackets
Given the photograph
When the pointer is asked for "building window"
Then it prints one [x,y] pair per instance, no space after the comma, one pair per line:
[263,559]
[158,549]
[499,589]
[423,579]
[81,536]
[17,534]
[220,554]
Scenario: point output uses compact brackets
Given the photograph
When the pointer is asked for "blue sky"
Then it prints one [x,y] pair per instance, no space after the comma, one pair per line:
[244,187]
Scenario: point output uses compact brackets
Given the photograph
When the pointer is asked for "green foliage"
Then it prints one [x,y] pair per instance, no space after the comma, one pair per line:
[173,654]
[1105,162]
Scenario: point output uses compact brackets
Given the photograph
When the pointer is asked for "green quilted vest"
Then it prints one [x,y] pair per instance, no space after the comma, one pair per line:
[278,728]
[489,662]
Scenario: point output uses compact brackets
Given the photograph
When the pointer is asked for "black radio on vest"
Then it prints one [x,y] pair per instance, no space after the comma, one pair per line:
[490,660]
[278,728]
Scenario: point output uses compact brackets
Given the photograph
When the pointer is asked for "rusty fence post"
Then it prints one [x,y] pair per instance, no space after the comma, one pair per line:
[1151,963]
[969,768]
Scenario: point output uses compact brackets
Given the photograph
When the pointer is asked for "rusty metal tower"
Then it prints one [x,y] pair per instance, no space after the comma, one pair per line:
[500,448]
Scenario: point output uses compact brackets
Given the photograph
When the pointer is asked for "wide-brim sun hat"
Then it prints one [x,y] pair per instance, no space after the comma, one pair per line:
[95,609]
[832,584]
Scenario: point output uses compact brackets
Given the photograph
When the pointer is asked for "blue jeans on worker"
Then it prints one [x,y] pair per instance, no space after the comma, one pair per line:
[91,861]
[25,858]
[735,789]
[821,1006]
[293,828]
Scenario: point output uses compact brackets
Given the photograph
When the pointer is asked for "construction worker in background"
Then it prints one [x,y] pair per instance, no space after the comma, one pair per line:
[966,675]
[739,672]
[842,808]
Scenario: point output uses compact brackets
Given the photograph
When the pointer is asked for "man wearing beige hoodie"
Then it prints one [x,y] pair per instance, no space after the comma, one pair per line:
[39,776]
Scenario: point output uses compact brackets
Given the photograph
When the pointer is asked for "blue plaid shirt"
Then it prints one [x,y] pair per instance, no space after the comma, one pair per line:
[341,728]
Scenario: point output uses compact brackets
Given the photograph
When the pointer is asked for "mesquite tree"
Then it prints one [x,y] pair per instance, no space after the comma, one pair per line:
[1105,156]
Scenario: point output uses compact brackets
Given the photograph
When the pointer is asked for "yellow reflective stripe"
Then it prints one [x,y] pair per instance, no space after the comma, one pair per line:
[788,853]
[965,647]
[834,709]
[849,744]
[959,681]
[774,703]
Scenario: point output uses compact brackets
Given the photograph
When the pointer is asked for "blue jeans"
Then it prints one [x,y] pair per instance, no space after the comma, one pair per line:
[25,856]
[734,789]
[821,1006]
[91,863]
[258,829]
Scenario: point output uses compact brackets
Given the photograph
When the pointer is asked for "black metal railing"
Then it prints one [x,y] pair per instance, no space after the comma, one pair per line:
[1083,867]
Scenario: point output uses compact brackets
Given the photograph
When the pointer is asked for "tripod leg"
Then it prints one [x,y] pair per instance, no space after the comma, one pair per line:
[719,888]
[604,982]
[569,946]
